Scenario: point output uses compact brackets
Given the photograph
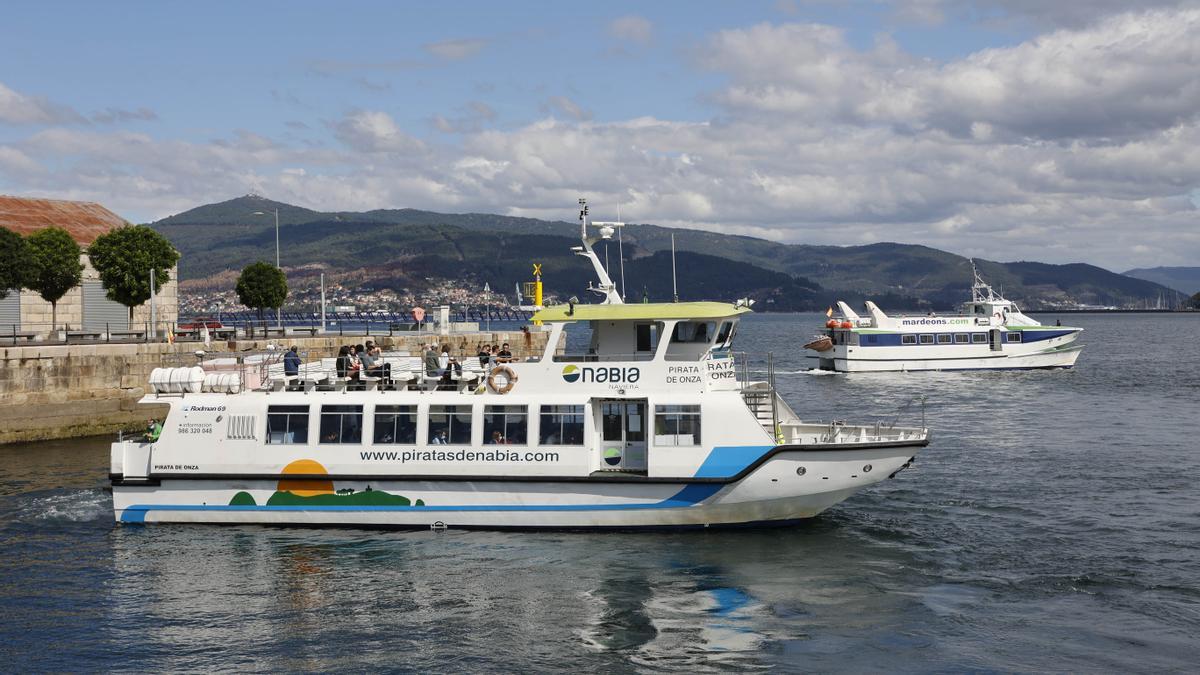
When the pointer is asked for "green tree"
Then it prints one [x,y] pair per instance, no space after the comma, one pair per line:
[262,285]
[1196,301]
[124,257]
[14,261]
[54,267]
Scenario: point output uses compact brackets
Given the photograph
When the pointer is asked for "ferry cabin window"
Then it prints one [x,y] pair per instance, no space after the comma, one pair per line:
[693,331]
[979,338]
[561,425]
[961,338]
[908,339]
[945,338]
[341,424]
[505,425]
[449,425]
[725,336]
[676,425]
[1014,337]
[396,424]
[926,339]
[646,338]
[287,424]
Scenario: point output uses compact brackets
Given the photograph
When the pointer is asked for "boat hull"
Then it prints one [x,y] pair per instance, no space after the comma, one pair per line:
[879,361]
[792,484]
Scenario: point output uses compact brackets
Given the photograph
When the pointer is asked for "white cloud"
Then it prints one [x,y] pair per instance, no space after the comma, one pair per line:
[631,28]
[17,163]
[1074,145]
[472,118]
[455,50]
[117,115]
[375,131]
[565,106]
[1128,74]
[18,108]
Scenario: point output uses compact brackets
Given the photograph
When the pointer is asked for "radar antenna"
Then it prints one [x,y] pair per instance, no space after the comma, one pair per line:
[604,231]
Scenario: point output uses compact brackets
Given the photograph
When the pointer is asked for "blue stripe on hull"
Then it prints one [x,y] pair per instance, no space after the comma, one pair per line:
[688,496]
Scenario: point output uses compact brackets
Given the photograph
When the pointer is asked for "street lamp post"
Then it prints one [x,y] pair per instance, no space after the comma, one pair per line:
[278,310]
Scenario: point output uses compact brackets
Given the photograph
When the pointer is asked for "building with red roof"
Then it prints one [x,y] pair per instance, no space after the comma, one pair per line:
[85,307]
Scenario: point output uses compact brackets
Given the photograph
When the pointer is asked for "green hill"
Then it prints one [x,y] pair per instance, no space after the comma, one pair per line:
[409,248]
[1186,280]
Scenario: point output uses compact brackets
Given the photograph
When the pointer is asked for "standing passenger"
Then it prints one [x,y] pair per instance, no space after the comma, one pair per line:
[291,362]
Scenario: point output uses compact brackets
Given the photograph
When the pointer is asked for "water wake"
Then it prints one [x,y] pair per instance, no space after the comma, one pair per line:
[75,506]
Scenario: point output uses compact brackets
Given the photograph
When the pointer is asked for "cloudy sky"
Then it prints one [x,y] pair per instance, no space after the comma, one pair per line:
[1006,129]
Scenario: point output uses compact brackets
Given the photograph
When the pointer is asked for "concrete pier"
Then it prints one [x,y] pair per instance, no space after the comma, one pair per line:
[65,391]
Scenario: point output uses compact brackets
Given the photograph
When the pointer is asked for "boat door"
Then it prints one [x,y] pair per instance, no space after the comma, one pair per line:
[622,434]
[995,339]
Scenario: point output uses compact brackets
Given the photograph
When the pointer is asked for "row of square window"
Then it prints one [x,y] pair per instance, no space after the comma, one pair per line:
[451,425]
[951,338]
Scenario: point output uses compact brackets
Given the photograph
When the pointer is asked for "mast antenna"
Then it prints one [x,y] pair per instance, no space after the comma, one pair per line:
[621,251]
[604,232]
[674,281]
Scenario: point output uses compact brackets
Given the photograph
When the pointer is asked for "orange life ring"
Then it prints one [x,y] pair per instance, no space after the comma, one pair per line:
[510,379]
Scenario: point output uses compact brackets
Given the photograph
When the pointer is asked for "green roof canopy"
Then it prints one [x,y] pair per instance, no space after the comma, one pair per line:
[642,311]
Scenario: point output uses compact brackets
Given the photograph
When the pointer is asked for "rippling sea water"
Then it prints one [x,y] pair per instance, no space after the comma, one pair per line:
[1053,524]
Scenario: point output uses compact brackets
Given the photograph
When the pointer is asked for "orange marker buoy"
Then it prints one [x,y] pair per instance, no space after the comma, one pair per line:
[832,323]
[847,324]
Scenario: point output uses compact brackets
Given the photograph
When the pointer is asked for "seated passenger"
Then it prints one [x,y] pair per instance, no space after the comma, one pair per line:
[372,364]
[505,355]
[433,366]
[448,364]
[345,364]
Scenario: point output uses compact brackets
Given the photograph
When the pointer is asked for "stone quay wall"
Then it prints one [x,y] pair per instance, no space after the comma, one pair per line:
[67,391]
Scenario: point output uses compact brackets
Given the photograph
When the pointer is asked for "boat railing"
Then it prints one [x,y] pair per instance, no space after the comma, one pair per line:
[592,357]
[883,430]
[252,368]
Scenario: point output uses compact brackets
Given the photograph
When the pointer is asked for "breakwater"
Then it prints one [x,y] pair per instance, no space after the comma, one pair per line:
[67,391]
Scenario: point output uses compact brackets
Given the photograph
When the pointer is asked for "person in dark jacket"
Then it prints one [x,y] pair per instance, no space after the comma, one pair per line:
[345,364]
[291,362]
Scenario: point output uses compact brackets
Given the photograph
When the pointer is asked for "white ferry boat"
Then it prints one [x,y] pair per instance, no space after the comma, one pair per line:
[990,333]
[654,424]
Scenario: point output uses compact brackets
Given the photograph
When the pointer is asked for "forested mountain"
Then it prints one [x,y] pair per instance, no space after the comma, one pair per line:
[1186,280]
[408,247]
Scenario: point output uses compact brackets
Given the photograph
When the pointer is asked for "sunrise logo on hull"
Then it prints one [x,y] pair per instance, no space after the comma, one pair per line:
[571,373]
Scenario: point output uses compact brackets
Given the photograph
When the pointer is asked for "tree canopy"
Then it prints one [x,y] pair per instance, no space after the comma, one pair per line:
[1196,301]
[124,257]
[14,261]
[262,285]
[54,266]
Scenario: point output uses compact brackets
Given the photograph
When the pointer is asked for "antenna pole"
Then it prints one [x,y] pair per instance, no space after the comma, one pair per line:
[621,251]
[674,281]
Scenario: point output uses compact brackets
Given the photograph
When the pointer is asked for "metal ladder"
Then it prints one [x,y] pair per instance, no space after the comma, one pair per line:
[761,402]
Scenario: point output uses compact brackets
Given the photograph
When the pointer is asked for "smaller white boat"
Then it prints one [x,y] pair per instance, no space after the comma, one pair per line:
[990,333]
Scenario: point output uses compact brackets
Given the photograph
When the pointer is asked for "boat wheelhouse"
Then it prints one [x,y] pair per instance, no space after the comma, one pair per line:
[990,333]
[631,416]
